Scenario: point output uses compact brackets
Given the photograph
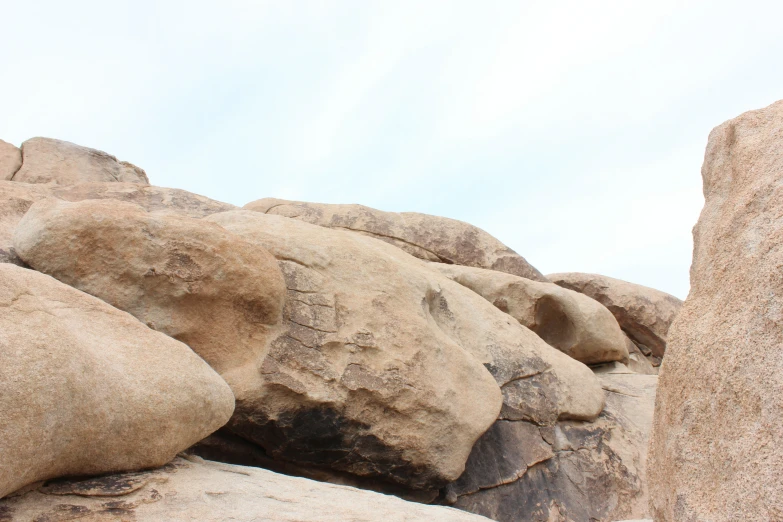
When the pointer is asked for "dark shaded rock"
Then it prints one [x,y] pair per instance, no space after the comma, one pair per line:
[567,472]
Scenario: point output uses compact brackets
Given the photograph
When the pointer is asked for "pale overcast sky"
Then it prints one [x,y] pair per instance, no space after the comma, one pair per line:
[574,131]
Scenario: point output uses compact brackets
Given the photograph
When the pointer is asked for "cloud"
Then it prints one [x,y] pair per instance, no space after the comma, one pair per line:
[573,131]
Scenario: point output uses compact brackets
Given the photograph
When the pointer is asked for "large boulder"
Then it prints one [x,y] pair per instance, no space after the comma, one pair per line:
[46,160]
[10,160]
[715,452]
[194,489]
[385,367]
[570,471]
[644,313]
[432,238]
[16,198]
[189,279]
[571,322]
[88,389]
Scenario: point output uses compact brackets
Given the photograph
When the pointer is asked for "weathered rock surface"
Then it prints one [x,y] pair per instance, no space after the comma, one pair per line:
[88,389]
[193,489]
[644,313]
[571,322]
[189,279]
[10,160]
[45,160]
[387,368]
[570,471]
[715,450]
[432,238]
[16,198]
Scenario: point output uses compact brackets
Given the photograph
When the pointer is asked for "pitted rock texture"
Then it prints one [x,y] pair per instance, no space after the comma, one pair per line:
[716,452]
[10,160]
[644,313]
[46,160]
[194,489]
[568,471]
[88,389]
[16,198]
[370,375]
[189,279]
[427,237]
[571,322]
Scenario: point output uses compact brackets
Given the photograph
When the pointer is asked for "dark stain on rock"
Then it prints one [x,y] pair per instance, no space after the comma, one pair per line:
[323,437]
[63,513]
[105,486]
[6,514]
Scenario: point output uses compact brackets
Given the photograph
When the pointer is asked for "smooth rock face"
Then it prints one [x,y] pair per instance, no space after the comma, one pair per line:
[570,471]
[716,453]
[188,490]
[189,279]
[427,237]
[571,322]
[10,160]
[46,160]
[88,389]
[386,368]
[644,313]
[16,198]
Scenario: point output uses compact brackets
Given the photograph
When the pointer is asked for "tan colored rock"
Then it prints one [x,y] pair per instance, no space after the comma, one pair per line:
[571,322]
[386,368]
[10,160]
[644,313]
[46,160]
[715,452]
[185,491]
[571,471]
[16,198]
[189,279]
[151,198]
[427,237]
[88,389]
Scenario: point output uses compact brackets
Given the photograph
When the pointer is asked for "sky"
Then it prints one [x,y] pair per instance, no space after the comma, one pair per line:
[572,131]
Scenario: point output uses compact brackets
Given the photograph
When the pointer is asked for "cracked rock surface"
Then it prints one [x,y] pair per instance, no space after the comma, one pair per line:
[565,470]
[427,237]
[88,389]
[386,368]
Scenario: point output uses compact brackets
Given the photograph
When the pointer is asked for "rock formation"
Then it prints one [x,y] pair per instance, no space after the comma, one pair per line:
[431,238]
[87,389]
[571,322]
[10,160]
[16,198]
[368,376]
[45,160]
[191,280]
[644,313]
[569,470]
[406,353]
[187,490]
[715,452]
